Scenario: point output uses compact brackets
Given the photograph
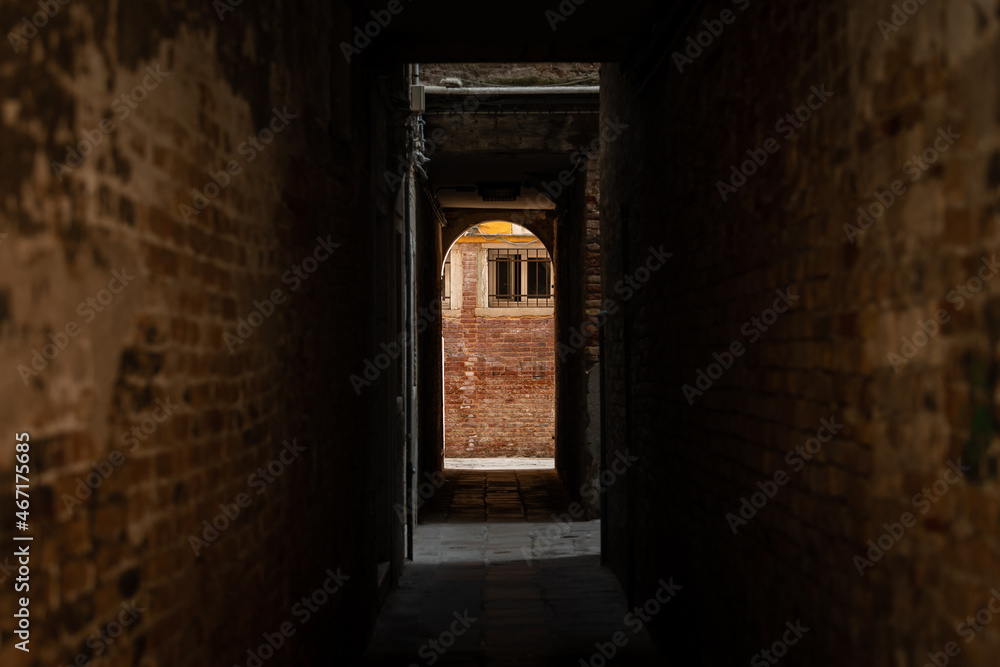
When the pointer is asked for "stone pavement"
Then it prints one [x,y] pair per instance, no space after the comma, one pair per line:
[489,550]
[512,463]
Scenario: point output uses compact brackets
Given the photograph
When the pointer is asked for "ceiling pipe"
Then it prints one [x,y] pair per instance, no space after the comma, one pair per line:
[514,90]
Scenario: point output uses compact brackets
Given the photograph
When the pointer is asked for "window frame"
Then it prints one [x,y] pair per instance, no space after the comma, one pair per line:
[484,303]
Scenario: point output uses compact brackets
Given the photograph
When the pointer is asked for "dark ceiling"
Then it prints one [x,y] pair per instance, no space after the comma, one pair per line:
[512,138]
[522,31]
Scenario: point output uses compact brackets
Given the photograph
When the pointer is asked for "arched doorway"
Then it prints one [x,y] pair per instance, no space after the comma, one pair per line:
[498,345]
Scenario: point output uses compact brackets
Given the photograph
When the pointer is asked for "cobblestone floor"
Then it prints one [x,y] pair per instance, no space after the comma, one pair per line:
[488,549]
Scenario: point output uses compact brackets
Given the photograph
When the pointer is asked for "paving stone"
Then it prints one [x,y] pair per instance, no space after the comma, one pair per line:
[548,612]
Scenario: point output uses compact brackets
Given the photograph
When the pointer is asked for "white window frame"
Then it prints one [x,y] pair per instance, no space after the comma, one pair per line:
[456,282]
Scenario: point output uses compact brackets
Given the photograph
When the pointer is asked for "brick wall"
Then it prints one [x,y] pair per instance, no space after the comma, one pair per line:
[592,260]
[190,281]
[511,74]
[499,377]
[893,90]
[578,420]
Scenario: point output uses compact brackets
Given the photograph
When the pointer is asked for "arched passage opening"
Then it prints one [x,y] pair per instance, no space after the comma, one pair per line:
[498,346]
[483,157]
[530,159]
[558,203]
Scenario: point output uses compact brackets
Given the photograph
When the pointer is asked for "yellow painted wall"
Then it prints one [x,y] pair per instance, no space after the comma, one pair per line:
[503,229]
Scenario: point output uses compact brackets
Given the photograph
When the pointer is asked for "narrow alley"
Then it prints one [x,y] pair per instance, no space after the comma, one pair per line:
[503,547]
[372,332]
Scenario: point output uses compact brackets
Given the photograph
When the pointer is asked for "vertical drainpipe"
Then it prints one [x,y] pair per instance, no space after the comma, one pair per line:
[410,374]
[604,443]
[628,318]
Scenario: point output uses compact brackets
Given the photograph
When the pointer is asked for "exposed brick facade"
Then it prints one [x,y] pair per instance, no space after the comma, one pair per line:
[865,294]
[511,74]
[161,337]
[592,260]
[828,356]
[499,377]
[578,455]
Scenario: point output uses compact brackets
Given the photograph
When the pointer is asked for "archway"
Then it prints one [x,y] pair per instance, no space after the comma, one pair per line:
[498,346]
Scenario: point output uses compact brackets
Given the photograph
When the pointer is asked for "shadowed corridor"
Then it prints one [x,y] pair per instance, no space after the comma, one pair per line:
[757,265]
[497,545]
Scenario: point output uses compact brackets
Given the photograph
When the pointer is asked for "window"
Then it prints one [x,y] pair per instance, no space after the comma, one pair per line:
[520,278]
[446,285]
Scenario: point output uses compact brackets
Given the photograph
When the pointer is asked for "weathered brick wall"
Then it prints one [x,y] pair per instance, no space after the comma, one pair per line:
[592,260]
[893,93]
[578,427]
[511,74]
[499,378]
[196,88]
